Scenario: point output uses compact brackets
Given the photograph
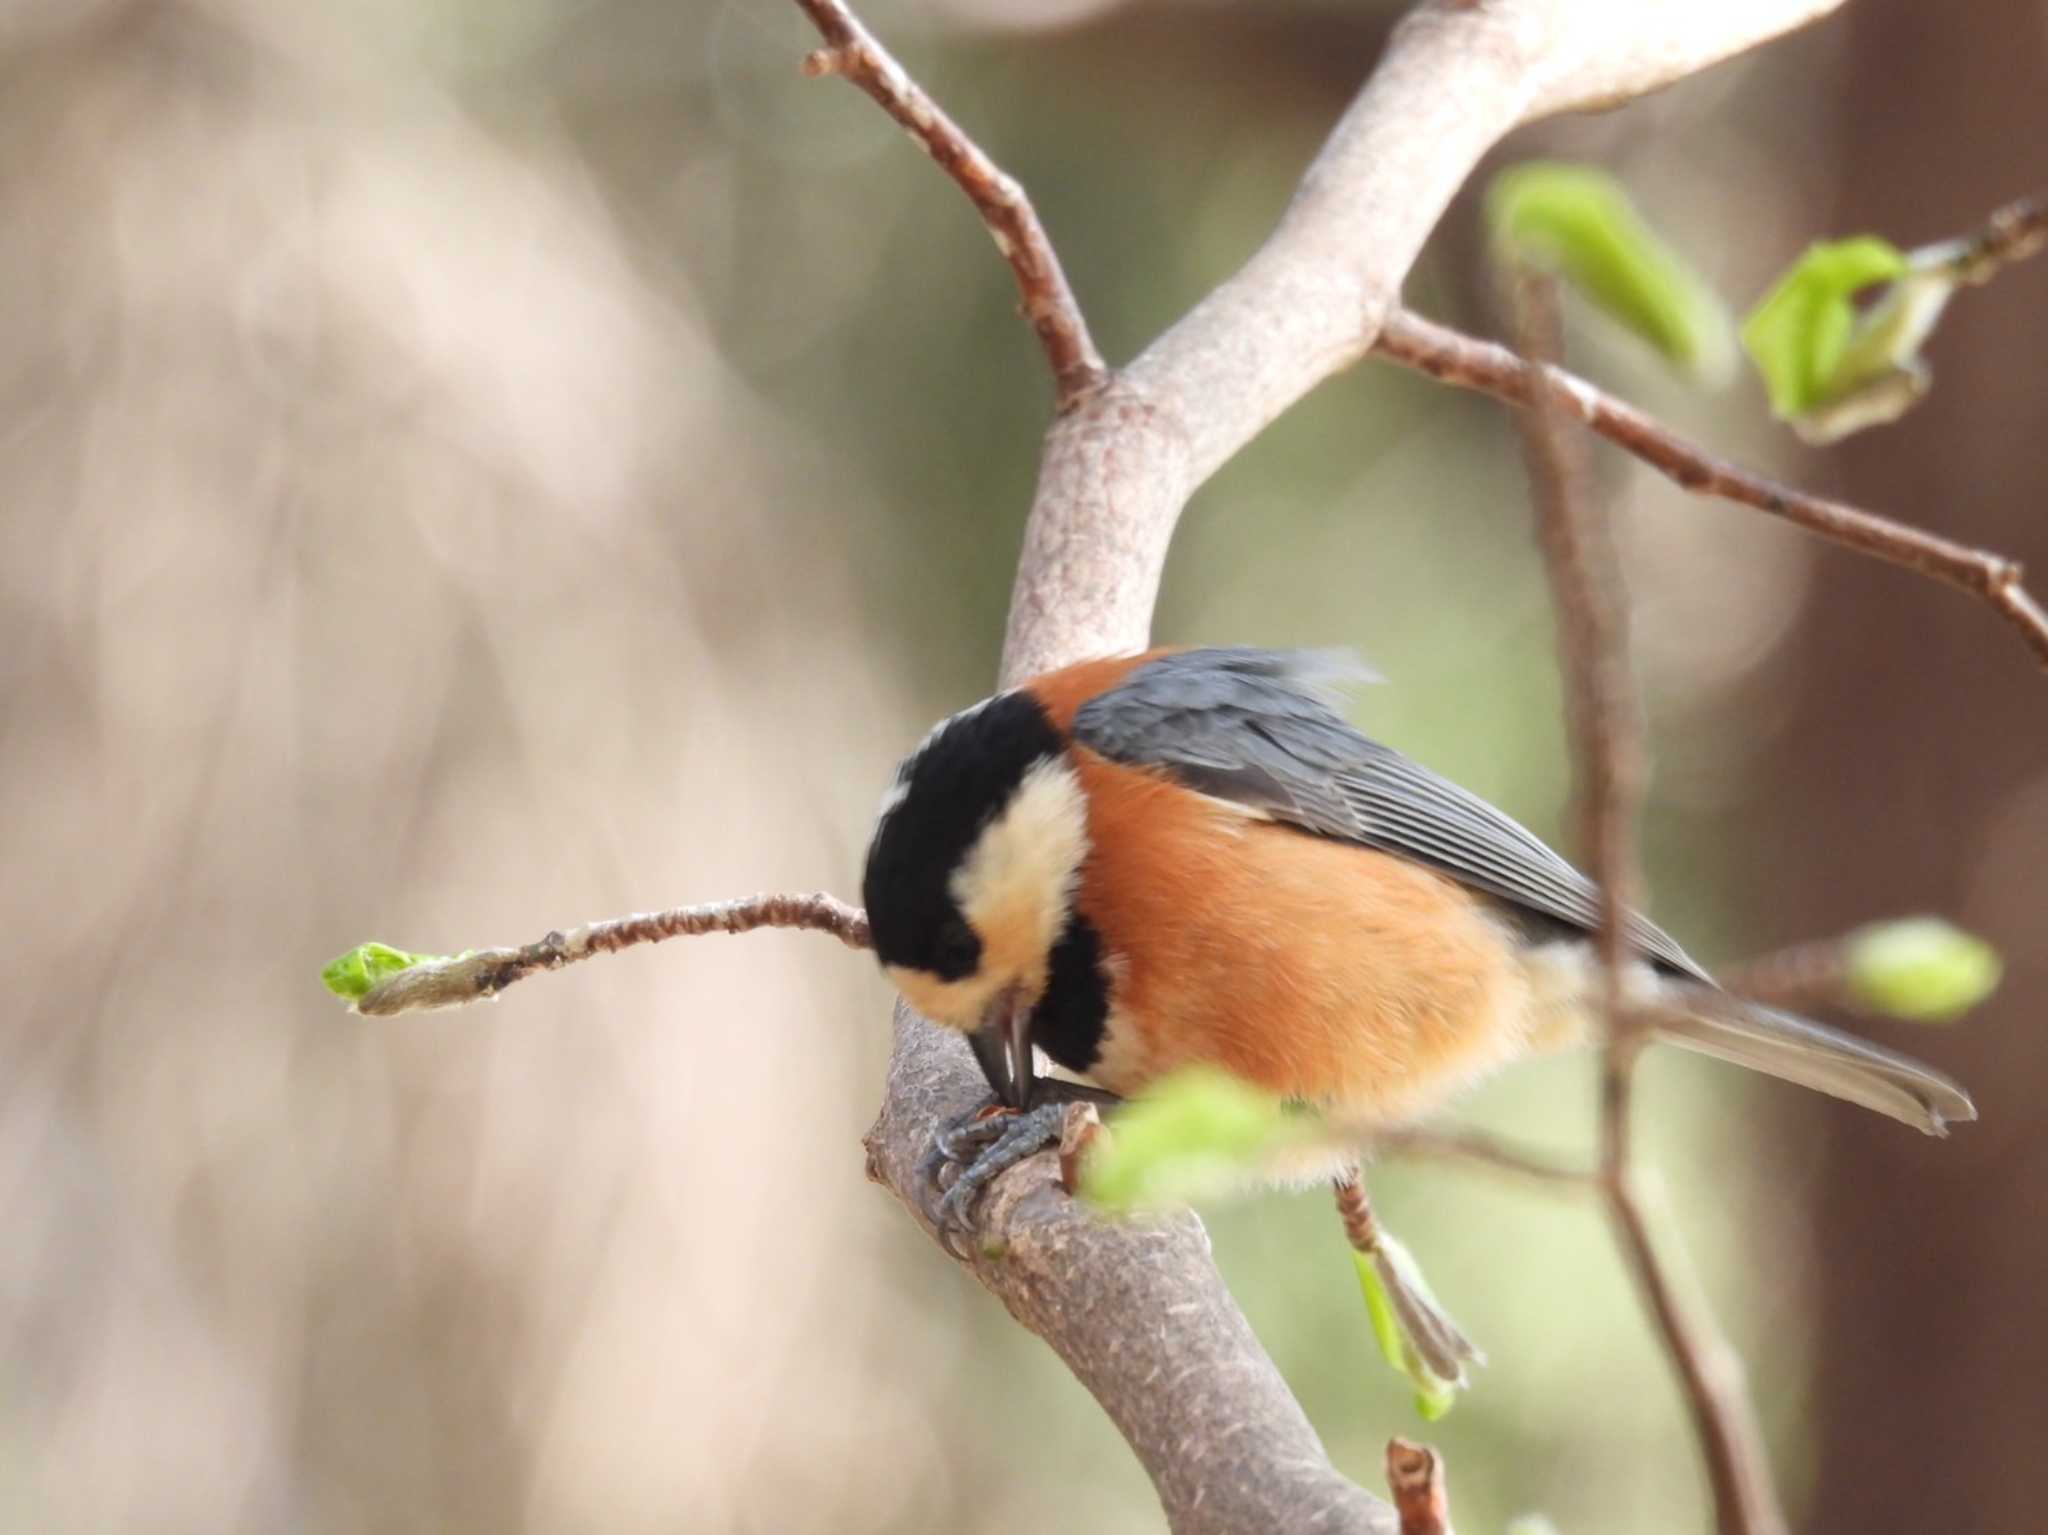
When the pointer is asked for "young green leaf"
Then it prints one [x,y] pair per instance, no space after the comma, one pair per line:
[1389,1278]
[1922,969]
[1197,1133]
[350,976]
[1579,223]
[1798,334]
[1830,371]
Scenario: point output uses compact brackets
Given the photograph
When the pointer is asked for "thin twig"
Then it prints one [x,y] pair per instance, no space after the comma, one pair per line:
[2012,233]
[1804,975]
[1593,650]
[1452,357]
[484,973]
[852,53]
[1478,1149]
[1415,1476]
[1592,639]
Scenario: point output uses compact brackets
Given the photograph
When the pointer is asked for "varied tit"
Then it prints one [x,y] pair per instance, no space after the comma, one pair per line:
[1132,865]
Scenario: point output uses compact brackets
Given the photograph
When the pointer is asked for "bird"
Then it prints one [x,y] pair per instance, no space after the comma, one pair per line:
[1189,856]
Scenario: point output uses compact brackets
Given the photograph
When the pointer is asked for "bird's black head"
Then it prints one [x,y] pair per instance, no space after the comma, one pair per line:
[970,876]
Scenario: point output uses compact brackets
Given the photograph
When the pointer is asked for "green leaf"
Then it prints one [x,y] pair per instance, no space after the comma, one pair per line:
[1922,969]
[1579,223]
[1197,1133]
[1435,1394]
[1799,335]
[1531,1524]
[351,975]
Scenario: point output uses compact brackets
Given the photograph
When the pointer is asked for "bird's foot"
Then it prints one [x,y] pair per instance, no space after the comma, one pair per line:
[983,1144]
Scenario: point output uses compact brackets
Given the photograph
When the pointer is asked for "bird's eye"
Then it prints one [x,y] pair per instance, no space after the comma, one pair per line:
[956,950]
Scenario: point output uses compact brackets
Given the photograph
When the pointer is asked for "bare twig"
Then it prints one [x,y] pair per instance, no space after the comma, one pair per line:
[1469,363]
[1415,1476]
[1477,1149]
[2012,233]
[1593,647]
[1802,976]
[1592,638]
[484,973]
[852,53]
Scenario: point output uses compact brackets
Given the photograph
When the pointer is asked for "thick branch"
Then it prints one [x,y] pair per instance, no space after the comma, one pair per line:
[1593,648]
[1456,76]
[1454,358]
[1131,1307]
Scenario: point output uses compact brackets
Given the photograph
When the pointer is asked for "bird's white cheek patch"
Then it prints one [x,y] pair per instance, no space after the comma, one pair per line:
[1016,886]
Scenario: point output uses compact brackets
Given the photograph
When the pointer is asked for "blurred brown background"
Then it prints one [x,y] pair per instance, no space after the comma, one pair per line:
[471,466]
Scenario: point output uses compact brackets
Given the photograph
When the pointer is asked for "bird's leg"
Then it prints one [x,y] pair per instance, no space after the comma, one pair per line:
[1425,1325]
[987,1142]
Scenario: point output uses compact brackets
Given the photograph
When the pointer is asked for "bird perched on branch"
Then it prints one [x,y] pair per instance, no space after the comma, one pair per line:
[1138,864]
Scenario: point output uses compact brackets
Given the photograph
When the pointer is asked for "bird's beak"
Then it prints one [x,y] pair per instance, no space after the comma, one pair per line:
[1003,1046]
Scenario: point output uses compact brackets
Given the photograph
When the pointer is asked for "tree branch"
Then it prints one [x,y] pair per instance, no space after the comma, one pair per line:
[483,973]
[1455,77]
[1593,649]
[1131,1305]
[1451,357]
[852,53]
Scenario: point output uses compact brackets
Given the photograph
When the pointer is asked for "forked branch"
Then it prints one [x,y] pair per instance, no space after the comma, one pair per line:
[1128,1306]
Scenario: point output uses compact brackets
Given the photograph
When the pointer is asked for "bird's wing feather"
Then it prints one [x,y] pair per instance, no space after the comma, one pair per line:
[1261,728]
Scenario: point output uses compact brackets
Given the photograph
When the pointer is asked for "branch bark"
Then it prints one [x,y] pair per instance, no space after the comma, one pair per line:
[1132,1305]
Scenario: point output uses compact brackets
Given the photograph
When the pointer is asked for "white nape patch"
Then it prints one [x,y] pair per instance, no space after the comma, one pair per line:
[899,787]
[1016,886]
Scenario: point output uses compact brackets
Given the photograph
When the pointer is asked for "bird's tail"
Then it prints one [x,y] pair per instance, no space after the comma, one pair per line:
[1715,1023]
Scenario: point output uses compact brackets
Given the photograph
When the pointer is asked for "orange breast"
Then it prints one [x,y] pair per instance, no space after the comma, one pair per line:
[1315,968]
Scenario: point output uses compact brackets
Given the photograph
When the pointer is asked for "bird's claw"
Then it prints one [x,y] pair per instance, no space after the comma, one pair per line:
[984,1146]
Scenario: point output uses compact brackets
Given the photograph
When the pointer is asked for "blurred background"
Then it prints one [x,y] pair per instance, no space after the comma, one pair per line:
[471,466]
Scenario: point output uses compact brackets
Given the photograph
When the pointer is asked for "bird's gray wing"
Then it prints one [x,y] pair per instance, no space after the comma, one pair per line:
[1261,728]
